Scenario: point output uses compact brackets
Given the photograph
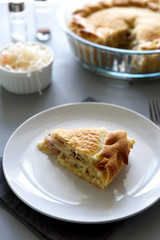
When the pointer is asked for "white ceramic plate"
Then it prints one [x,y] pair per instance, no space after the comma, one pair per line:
[54,191]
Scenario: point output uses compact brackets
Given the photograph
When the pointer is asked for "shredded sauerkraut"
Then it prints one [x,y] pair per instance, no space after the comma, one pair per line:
[25,57]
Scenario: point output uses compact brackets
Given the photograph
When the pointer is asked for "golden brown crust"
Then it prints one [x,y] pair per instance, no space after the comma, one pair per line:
[114,154]
[106,4]
[138,3]
[116,144]
[141,17]
[90,35]
[121,3]
[87,140]
[153,6]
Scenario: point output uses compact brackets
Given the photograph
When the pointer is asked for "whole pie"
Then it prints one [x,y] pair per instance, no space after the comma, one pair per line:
[93,154]
[126,24]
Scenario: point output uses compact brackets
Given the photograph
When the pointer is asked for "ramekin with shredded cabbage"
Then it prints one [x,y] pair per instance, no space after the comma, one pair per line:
[22,57]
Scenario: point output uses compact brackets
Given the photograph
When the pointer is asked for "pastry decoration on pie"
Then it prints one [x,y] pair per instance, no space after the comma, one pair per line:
[93,154]
[126,24]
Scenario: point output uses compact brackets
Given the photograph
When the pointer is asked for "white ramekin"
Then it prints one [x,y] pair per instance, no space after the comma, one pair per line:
[27,82]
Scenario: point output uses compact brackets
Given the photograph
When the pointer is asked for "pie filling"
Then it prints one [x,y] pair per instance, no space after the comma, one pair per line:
[80,166]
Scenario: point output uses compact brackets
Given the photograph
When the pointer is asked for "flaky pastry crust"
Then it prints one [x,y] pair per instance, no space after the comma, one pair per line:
[93,154]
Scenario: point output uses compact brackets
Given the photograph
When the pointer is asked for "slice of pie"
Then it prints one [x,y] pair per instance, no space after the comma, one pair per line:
[93,154]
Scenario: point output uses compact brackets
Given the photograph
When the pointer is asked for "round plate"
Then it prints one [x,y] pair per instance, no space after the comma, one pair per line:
[54,191]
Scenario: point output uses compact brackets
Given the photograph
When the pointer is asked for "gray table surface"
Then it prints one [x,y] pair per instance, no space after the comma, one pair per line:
[72,83]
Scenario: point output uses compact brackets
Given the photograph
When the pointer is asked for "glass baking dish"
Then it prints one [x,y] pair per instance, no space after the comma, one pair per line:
[108,61]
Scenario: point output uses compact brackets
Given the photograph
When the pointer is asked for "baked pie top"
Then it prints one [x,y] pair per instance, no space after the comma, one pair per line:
[129,24]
